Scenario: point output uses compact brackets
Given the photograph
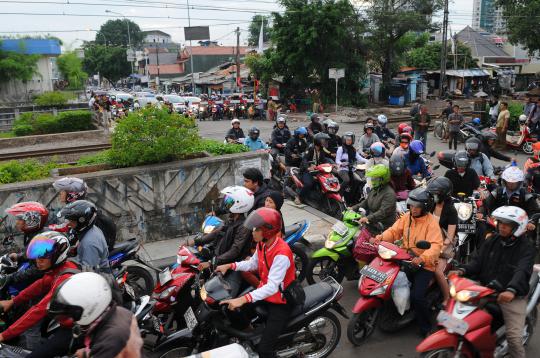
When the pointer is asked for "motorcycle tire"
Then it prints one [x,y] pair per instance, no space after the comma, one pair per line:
[362,325]
[329,344]
[174,352]
[326,264]
[336,208]
[438,131]
[527,148]
[391,321]
[301,260]
[442,353]
[141,280]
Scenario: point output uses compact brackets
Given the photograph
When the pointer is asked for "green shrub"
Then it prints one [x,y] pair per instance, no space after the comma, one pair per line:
[7,134]
[44,123]
[102,157]
[74,121]
[51,99]
[516,109]
[16,171]
[23,129]
[215,147]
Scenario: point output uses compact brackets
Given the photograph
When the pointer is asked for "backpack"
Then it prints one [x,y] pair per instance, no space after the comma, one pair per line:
[108,227]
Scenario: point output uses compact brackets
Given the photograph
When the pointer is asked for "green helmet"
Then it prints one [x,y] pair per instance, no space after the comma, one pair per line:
[379,174]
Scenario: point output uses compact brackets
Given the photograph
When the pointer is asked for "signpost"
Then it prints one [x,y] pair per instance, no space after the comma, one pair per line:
[336,73]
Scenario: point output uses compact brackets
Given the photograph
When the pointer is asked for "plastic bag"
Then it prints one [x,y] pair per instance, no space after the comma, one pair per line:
[401,293]
[364,251]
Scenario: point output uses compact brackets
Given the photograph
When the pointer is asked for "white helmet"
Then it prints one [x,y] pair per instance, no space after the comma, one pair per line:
[512,214]
[522,118]
[84,297]
[513,175]
[281,119]
[237,199]
[75,188]
[235,120]
[382,119]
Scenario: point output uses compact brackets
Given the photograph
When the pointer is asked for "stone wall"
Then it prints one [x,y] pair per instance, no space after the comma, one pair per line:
[155,202]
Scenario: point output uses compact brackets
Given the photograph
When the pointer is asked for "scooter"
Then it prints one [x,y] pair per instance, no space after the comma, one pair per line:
[521,139]
[466,230]
[472,324]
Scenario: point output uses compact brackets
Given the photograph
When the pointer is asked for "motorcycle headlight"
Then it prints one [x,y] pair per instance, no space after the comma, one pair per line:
[464,211]
[327,169]
[203,294]
[180,258]
[329,244]
[167,292]
[465,295]
[379,291]
[385,252]
[208,229]
[452,290]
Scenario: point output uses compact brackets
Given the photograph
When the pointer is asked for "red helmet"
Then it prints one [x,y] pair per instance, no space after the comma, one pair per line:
[266,219]
[406,135]
[34,214]
[401,126]
[407,129]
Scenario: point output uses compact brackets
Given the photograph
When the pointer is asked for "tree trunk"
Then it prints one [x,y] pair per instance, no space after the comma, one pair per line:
[386,74]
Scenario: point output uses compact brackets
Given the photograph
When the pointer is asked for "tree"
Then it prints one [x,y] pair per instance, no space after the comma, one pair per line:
[255,29]
[70,65]
[428,57]
[17,66]
[115,33]
[522,23]
[109,62]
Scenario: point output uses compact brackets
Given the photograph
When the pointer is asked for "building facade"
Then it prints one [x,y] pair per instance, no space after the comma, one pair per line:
[488,17]
[156,36]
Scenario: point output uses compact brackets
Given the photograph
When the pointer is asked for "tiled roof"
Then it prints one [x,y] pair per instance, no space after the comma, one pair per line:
[481,44]
[172,69]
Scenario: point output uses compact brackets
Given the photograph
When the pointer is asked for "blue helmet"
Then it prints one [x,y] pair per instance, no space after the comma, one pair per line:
[300,130]
[377,150]
[476,121]
[417,147]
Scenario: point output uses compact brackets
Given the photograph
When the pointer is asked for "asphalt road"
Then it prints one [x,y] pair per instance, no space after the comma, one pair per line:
[380,345]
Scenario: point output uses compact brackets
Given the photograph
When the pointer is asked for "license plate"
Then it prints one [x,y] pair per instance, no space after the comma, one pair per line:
[191,321]
[340,228]
[373,274]
[452,324]
[165,276]
[468,228]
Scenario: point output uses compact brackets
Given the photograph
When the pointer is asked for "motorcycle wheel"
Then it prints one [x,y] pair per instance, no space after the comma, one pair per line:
[391,321]
[336,209]
[442,353]
[530,323]
[321,267]
[527,148]
[141,280]
[175,352]
[362,325]
[325,331]
[438,131]
[301,261]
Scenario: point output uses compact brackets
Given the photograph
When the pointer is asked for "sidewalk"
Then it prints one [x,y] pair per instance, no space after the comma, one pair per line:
[162,253]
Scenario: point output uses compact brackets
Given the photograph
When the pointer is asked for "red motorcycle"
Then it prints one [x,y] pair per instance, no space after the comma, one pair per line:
[472,324]
[378,306]
[521,139]
[326,197]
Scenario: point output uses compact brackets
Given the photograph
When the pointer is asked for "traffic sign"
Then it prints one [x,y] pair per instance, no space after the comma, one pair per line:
[336,73]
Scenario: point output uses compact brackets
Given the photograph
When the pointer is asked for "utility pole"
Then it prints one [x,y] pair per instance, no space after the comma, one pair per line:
[444,49]
[191,52]
[157,62]
[238,58]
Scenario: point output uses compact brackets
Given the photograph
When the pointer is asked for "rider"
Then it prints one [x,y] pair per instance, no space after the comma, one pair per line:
[507,258]
[314,127]
[382,131]
[235,243]
[253,142]
[416,225]
[488,140]
[401,179]
[335,141]
[444,210]
[280,136]
[479,161]
[378,155]
[235,134]
[404,140]
[275,264]
[532,169]
[344,152]
[415,163]
[254,181]
[368,138]
[296,147]
[463,178]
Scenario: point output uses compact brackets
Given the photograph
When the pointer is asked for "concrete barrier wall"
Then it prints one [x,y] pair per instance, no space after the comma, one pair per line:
[155,202]
[97,135]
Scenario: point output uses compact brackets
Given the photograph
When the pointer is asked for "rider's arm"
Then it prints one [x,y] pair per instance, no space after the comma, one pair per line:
[360,158]
[499,155]
[274,139]
[487,166]
[387,208]
[250,265]
[279,268]
[395,232]
[207,238]
[242,238]
[522,270]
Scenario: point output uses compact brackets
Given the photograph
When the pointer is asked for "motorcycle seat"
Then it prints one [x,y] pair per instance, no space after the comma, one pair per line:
[495,310]
[124,246]
[291,229]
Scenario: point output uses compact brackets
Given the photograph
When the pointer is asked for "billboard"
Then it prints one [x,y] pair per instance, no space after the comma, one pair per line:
[197,33]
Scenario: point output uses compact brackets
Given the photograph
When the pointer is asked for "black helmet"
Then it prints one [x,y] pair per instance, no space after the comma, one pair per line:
[81,211]
[348,135]
[314,117]
[473,144]
[331,125]
[461,160]
[254,133]
[321,139]
[397,165]
[488,135]
[420,197]
[440,188]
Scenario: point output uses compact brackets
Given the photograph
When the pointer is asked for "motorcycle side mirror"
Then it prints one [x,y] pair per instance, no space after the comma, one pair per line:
[436,167]
[423,245]
[8,240]
[432,154]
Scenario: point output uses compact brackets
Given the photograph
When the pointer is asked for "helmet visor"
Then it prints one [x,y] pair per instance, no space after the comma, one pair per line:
[417,204]
[227,202]
[57,308]
[40,247]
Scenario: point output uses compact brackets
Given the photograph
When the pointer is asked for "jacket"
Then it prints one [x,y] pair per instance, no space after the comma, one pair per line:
[322,158]
[402,182]
[384,133]
[260,196]
[482,165]
[463,184]
[412,230]
[424,119]
[236,134]
[511,265]
[92,250]
[417,166]
[314,128]
[366,142]
[522,199]
[297,147]
[280,136]
[255,144]
[380,205]
[42,290]
[333,143]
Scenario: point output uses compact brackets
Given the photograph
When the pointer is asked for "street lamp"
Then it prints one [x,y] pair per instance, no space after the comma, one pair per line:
[129,36]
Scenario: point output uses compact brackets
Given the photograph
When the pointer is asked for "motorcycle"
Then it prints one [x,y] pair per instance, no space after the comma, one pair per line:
[215,113]
[354,192]
[312,329]
[378,305]
[522,139]
[472,324]
[467,208]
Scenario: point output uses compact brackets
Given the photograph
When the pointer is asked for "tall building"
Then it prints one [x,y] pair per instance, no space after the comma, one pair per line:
[488,17]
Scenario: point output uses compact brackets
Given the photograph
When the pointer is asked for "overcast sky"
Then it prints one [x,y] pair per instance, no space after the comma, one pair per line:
[223,16]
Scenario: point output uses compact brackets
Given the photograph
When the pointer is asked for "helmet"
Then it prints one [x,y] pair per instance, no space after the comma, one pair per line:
[369,126]
[476,121]
[381,118]
[512,174]
[488,135]
[33,214]
[81,211]
[281,119]
[379,174]
[332,126]
[407,129]
[440,188]
[462,160]
[300,130]
[512,215]
[49,245]
[321,139]
[522,119]
[314,117]
[83,297]
[348,135]
[377,150]
[401,126]
[406,135]
[421,198]
[75,188]
[237,199]
[417,147]
[266,219]
[473,144]
[254,133]
[397,165]
[235,120]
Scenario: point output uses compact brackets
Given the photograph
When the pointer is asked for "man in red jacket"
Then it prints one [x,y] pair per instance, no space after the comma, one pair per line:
[50,251]
[275,264]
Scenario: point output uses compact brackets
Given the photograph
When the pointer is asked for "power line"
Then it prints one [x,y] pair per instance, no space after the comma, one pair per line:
[110,16]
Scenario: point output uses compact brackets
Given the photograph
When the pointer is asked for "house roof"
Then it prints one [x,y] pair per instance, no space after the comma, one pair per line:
[171,69]
[215,50]
[166,58]
[473,72]
[32,46]
[481,44]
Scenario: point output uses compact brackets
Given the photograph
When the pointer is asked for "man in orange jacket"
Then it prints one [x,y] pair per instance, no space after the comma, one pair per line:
[418,225]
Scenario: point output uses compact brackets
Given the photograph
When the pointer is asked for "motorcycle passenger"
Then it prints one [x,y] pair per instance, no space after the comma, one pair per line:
[368,138]
[404,140]
[253,142]
[235,243]
[275,264]
[235,134]
[445,212]
[380,202]
[335,141]
[314,127]
[479,161]
[296,147]
[416,225]
[254,181]
[488,141]
[345,166]
[280,136]
[415,163]
[275,200]
[508,258]
[532,169]
[463,178]
[383,132]
[401,179]
[377,152]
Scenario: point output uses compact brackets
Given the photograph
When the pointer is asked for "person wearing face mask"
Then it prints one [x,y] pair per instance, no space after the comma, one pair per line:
[463,178]
[404,140]
[415,163]
[346,157]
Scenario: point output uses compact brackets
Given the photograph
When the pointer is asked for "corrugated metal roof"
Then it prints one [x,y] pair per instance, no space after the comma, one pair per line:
[473,72]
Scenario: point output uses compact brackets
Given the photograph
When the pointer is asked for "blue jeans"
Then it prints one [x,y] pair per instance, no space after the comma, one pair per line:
[309,183]
[420,284]
[421,136]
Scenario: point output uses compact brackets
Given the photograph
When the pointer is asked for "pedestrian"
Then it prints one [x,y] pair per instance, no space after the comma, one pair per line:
[533,115]
[446,112]
[502,123]
[420,125]
[272,109]
[494,108]
[315,100]
[455,120]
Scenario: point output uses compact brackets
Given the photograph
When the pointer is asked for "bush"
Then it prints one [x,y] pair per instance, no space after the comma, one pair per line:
[51,99]
[102,157]
[516,109]
[36,123]
[219,148]
[15,171]
[74,121]
[22,129]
